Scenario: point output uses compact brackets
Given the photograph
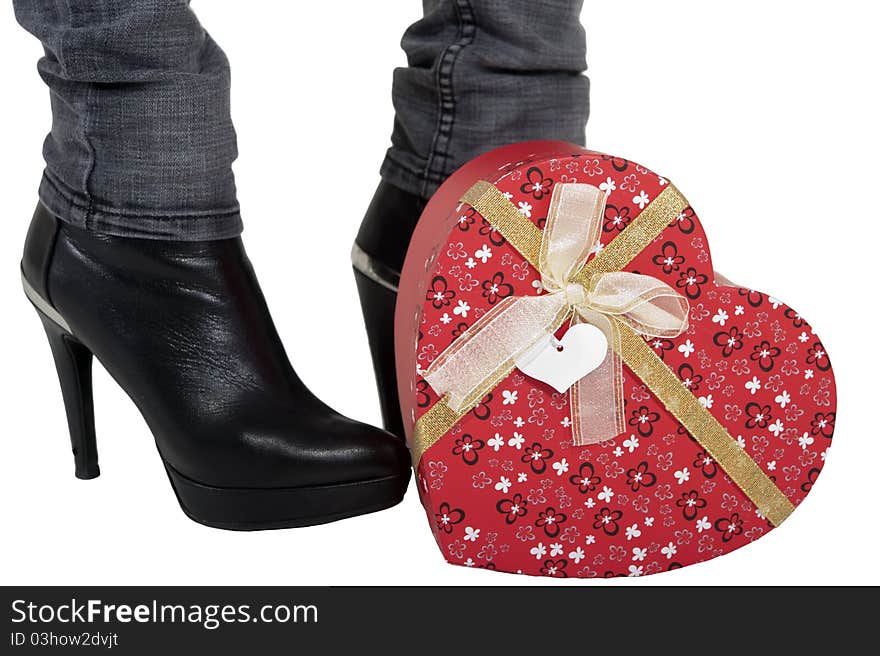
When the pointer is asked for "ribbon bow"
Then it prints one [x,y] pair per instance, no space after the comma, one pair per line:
[518,326]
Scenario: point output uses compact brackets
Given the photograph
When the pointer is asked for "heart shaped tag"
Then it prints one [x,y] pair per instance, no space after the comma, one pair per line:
[561,363]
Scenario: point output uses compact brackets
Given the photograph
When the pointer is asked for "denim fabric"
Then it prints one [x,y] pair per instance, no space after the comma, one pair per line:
[142,142]
[482,74]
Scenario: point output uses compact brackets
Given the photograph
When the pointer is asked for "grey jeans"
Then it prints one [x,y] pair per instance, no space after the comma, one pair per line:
[142,142]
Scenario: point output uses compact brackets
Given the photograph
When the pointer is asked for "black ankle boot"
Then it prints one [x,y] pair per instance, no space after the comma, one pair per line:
[377,257]
[184,329]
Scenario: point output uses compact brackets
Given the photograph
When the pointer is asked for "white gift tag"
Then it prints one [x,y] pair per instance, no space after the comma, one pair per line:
[561,363]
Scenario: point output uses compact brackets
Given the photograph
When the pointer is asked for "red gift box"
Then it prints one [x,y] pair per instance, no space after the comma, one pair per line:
[720,434]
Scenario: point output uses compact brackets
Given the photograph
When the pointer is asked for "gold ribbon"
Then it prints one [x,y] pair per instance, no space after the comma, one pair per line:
[519,329]
[633,350]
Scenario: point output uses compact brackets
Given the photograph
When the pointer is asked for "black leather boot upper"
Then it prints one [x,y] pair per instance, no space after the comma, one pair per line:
[184,329]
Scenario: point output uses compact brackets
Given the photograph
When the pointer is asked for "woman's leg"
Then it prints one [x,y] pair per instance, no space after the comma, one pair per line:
[142,142]
[481,74]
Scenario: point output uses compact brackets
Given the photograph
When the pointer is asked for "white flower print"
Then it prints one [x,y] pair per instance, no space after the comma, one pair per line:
[753,385]
[808,374]
[631,443]
[522,477]
[516,441]
[617,452]
[663,181]
[495,442]
[776,428]
[577,555]
[608,186]
[445,319]
[507,195]
[555,549]
[703,524]
[685,349]
[525,208]
[606,493]
[805,440]
[636,570]
[589,503]
[509,397]
[503,484]
[639,553]
[641,200]
[462,309]
[633,532]
[741,441]
[738,310]
[538,551]
[783,399]
[803,337]
[519,423]
[539,287]
[471,534]
[471,263]
[565,421]
[483,254]
[560,467]
[469,562]
[669,550]
[720,317]
[771,466]
[707,401]
[682,476]
[649,521]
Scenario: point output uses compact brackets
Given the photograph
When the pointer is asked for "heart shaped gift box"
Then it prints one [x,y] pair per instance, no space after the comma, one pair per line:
[702,423]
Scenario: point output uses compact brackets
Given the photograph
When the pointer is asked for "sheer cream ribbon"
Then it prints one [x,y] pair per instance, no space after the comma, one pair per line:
[471,366]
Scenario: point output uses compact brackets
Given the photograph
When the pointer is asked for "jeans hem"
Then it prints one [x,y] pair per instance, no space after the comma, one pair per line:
[85,213]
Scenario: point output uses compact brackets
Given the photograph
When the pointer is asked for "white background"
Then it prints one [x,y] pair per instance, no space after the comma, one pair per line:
[763,113]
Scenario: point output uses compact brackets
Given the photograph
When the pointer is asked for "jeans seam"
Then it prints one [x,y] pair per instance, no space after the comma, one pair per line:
[439,155]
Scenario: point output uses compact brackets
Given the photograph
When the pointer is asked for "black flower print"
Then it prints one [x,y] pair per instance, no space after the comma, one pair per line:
[823,424]
[482,410]
[555,568]
[758,415]
[616,218]
[764,355]
[550,520]
[685,221]
[706,464]
[512,508]
[440,295]
[536,184]
[459,329]
[661,345]
[689,281]
[812,475]
[729,340]
[639,477]
[755,299]
[586,479]
[423,393]
[488,230]
[691,503]
[688,378]
[618,163]
[729,527]
[817,356]
[607,520]
[468,448]
[669,260]
[448,517]
[495,288]
[643,420]
[466,220]
[536,456]
[796,319]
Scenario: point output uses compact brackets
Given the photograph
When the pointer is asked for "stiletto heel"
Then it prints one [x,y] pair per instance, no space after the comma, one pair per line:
[73,362]
[378,299]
